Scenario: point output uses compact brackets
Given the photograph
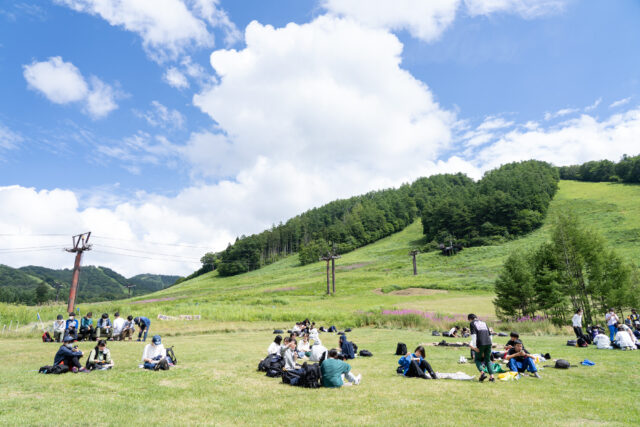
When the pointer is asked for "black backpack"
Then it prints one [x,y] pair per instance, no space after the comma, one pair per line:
[572,343]
[332,329]
[272,365]
[435,333]
[278,331]
[291,377]
[562,364]
[171,355]
[348,330]
[56,369]
[401,349]
[582,342]
[365,353]
[311,376]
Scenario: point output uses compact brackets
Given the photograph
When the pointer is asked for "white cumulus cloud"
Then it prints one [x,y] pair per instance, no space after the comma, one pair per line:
[526,8]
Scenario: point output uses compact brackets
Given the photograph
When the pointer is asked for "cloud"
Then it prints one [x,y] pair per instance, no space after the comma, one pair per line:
[62,83]
[168,28]
[560,113]
[594,105]
[425,20]
[163,117]
[620,102]
[8,138]
[140,149]
[176,78]
[528,9]
[308,92]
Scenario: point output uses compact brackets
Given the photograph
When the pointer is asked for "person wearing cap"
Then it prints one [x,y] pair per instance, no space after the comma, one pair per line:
[118,326]
[100,357]
[128,329]
[86,327]
[104,327]
[59,325]
[69,355]
[481,343]
[144,324]
[154,356]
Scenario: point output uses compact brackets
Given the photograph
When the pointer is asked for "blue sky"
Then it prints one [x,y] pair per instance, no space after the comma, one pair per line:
[116,117]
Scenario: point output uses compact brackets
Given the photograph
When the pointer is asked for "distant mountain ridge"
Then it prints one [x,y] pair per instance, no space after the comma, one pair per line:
[97,283]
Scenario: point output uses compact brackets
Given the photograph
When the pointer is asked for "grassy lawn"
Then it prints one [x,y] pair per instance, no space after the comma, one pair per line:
[216,383]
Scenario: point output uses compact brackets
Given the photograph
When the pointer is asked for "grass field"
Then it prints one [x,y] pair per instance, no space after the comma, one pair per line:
[216,382]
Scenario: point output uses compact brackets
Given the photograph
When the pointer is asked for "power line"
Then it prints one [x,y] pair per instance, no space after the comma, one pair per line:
[146,257]
[143,252]
[153,243]
[30,247]
[32,235]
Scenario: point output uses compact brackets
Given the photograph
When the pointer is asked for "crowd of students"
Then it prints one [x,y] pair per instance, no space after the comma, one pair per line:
[85,330]
[621,335]
[304,344]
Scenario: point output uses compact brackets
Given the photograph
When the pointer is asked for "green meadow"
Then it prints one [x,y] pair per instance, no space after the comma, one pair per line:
[216,380]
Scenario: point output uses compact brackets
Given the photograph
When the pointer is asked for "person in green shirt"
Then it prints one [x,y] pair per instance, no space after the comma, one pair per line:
[332,370]
[100,357]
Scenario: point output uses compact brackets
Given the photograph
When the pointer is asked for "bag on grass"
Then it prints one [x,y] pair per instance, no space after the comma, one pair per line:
[435,333]
[278,331]
[56,369]
[311,376]
[400,370]
[172,356]
[332,329]
[46,337]
[348,330]
[401,349]
[365,353]
[272,365]
[291,377]
[572,343]
[562,364]
[582,342]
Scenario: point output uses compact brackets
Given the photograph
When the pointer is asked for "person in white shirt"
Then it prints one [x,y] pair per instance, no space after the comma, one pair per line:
[625,329]
[623,340]
[59,325]
[602,342]
[317,353]
[453,332]
[304,346]
[576,321]
[118,326]
[612,320]
[154,356]
[275,347]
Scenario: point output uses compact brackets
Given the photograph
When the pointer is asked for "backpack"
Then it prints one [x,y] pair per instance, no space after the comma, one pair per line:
[582,342]
[172,356]
[562,364]
[401,349]
[365,353]
[332,329]
[278,331]
[311,376]
[348,330]
[355,347]
[291,377]
[46,337]
[272,365]
[572,343]
[435,333]
[55,369]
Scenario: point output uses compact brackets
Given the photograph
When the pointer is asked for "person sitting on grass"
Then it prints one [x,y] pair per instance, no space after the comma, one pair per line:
[104,329]
[415,365]
[100,357]
[290,355]
[626,328]
[275,346]
[453,332]
[520,360]
[623,339]
[481,343]
[144,324]
[128,329]
[332,370]
[154,356]
[86,327]
[69,355]
[304,346]
[346,348]
[602,341]
[59,325]
[318,352]
[71,321]
[465,332]
[118,326]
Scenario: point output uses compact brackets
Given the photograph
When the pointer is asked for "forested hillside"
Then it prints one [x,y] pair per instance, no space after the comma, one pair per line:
[506,202]
[626,170]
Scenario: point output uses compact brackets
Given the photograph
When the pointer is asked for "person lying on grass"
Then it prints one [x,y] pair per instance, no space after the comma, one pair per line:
[275,346]
[69,355]
[154,356]
[520,360]
[415,365]
[100,357]
[332,370]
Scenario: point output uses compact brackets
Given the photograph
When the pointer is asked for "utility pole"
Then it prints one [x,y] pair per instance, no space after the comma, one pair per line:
[129,286]
[80,244]
[413,253]
[331,257]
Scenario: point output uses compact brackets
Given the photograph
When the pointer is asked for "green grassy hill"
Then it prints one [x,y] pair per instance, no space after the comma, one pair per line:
[372,278]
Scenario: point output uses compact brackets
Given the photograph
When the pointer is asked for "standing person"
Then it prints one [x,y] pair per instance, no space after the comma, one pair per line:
[481,344]
[274,347]
[576,320]
[332,370]
[100,357]
[59,325]
[118,326]
[69,355]
[612,319]
[104,327]
[86,327]
[128,329]
[520,360]
[144,324]
[154,355]
[415,365]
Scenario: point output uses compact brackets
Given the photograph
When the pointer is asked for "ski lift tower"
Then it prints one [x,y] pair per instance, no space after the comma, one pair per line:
[80,244]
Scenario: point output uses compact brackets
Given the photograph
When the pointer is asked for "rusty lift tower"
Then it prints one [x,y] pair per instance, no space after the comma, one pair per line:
[80,244]
[331,257]
[413,253]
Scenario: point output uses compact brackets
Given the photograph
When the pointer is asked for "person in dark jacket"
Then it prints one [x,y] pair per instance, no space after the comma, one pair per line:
[86,327]
[104,328]
[69,355]
[415,365]
[143,324]
[346,348]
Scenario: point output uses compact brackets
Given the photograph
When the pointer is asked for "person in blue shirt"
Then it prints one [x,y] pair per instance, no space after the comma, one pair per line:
[144,324]
[69,355]
[415,365]
[346,348]
[71,321]
[104,327]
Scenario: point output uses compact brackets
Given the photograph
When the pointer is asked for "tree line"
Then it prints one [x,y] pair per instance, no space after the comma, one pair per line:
[575,269]
[508,201]
[626,170]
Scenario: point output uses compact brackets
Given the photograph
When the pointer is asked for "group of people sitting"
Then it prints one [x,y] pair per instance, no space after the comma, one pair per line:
[456,332]
[85,330]
[624,336]
[304,343]
[154,356]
